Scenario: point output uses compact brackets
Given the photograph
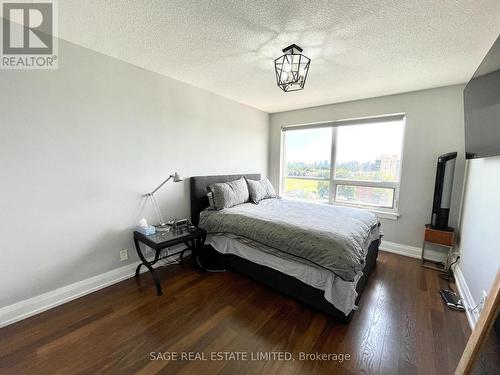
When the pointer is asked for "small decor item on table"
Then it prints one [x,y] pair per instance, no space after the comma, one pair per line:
[166,227]
[145,228]
[180,226]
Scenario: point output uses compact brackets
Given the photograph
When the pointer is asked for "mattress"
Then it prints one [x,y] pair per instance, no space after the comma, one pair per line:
[330,237]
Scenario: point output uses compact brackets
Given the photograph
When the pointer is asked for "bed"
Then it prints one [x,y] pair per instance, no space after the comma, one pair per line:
[332,285]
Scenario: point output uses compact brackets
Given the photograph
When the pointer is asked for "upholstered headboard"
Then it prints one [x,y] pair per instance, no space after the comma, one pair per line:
[199,185]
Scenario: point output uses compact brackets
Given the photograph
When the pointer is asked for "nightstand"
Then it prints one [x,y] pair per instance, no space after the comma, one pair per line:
[444,238]
[194,239]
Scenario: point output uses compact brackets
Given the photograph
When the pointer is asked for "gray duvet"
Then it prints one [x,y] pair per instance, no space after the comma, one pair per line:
[332,237]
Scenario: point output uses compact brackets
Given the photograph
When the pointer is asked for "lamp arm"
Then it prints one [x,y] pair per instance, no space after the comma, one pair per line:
[163,183]
[156,208]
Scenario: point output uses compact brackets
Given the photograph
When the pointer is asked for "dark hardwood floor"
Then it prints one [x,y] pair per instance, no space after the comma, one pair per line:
[401,327]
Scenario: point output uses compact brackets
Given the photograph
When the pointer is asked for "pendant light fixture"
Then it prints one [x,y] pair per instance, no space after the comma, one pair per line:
[291,69]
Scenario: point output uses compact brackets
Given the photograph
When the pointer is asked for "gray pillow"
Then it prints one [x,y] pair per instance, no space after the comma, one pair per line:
[229,194]
[260,190]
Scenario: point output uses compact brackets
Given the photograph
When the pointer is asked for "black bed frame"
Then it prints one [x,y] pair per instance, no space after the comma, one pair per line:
[283,283]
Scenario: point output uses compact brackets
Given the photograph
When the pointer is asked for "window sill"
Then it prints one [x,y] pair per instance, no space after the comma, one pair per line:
[385,214]
[379,213]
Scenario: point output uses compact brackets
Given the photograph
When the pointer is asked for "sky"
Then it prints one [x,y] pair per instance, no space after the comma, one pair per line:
[356,142]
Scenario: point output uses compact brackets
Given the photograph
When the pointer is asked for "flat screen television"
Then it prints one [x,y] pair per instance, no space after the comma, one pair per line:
[482,108]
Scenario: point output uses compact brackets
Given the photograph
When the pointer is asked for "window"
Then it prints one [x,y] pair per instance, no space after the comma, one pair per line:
[307,159]
[354,162]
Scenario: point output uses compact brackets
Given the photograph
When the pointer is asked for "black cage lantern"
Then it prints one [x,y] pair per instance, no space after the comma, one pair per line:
[291,69]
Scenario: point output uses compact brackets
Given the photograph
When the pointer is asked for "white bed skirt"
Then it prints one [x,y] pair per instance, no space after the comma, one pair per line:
[340,293]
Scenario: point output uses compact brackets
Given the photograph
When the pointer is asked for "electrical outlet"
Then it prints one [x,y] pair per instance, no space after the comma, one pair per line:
[481,303]
[123,255]
[483,299]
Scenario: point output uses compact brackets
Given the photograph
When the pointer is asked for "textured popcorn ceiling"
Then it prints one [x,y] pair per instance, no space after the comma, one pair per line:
[359,49]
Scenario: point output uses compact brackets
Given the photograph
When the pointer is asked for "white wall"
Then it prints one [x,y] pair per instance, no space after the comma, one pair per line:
[80,145]
[434,125]
[480,223]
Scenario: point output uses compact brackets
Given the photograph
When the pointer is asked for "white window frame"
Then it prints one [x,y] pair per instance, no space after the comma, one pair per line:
[384,212]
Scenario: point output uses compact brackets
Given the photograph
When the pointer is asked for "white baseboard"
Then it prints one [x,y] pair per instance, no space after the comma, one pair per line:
[35,305]
[464,291]
[43,302]
[411,251]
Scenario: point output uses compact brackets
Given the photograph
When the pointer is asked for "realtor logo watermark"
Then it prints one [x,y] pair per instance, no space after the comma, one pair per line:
[29,35]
